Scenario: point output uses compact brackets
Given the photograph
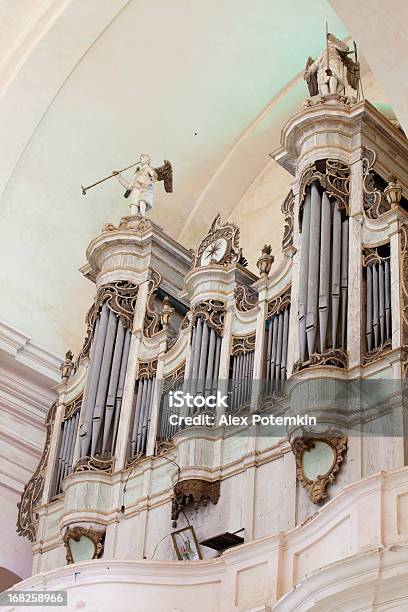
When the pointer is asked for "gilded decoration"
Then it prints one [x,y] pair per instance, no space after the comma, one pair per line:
[316,488]
[120,297]
[27,522]
[279,303]
[243,344]
[193,491]
[375,202]
[287,209]
[335,358]
[147,369]
[334,177]
[76,533]
[404,295]
[98,463]
[152,321]
[246,298]
[73,407]
[212,312]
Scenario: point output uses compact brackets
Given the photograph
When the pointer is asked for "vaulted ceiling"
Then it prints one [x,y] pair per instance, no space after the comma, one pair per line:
[86,85]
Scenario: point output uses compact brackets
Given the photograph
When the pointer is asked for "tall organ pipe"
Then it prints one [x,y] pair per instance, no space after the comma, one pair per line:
[344,280]
[375,306]
[369,308]
[387,304]
[313,284]
[336,261]
[113,383]
[100,402]
[121,385]
[92,381]
[304,274]
[324,281]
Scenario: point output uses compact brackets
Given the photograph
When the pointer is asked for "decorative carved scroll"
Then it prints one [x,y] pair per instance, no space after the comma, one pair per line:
[287,209]
[174,377]
[163,446]
[194,490]
[120,296]
[317,488]
[100,463]
[375,203]
[333,175]
[338,182]
[147,369]
[152,322]
[211,311]
[246,298]
[243,344]
[76,533]
[73,407]
[336,358]
[278,304]
[404,295]
[26,521]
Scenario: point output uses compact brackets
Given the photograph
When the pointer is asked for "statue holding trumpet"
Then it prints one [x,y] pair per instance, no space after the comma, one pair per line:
[140,187]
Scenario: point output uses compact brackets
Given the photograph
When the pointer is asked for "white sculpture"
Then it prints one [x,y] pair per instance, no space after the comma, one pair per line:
[140,187]
[325,75]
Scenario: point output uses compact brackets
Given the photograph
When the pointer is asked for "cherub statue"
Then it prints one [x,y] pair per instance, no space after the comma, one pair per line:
[325,75]
[140,187]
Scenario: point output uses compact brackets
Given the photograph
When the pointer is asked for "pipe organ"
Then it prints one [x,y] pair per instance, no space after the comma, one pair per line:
[164,319]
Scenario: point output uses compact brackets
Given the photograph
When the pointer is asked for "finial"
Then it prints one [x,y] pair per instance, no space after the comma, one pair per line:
[265,261]
[393,191]
[167,311]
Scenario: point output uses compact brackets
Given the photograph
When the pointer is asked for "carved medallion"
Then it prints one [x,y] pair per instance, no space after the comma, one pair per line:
[316,486]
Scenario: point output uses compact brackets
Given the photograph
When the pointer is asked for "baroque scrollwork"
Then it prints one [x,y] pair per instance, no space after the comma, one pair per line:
[336,358]
[317,488]
[147,369]
[246,298]
[152,321]
[26,521]
[73,407]
[287,209]
[404,294]
[76,533]
[375,203]
[100,463]
[120,297]
[211,311]
[333,175]
[279,303]
[243,344]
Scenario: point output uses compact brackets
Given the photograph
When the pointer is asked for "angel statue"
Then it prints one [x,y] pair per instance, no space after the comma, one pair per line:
[140,187]
[325,75]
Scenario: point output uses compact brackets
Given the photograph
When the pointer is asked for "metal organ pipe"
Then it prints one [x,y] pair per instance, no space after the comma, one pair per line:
[369,308]
[313,279]
[336,261]
[92,382]
[344,280]
[304,275]
[100,402]
[324,281]
[378,299]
